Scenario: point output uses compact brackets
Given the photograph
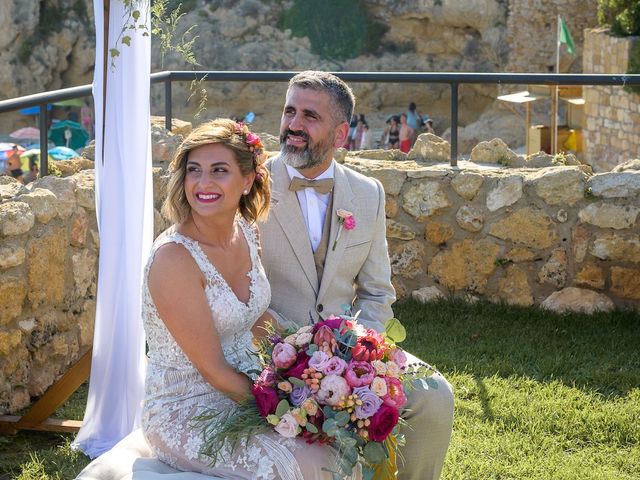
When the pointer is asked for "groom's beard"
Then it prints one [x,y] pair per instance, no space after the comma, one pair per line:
[311,155]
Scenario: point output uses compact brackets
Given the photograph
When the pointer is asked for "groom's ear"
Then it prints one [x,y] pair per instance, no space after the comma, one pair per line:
[342,132]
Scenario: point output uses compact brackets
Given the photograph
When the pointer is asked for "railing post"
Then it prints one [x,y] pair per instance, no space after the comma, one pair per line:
[454,124]
[44,141]
[167,104]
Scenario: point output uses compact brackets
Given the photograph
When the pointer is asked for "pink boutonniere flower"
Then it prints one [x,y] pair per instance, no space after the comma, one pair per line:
[346,220]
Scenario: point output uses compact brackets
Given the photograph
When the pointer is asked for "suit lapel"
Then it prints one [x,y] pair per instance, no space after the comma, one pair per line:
[343,198]
[286,209]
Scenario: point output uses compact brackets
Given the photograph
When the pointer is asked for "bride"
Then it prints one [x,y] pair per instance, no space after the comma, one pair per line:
[204,298]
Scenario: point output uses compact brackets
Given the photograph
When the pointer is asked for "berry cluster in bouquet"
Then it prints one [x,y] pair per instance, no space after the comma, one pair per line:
[339,383]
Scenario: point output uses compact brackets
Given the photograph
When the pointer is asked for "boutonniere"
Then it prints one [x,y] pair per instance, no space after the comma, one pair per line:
[346,221]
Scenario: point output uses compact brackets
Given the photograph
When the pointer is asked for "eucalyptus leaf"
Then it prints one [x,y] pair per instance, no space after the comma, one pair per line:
[394,330]
[367,473]
[312,349]
[330,427]
[342,418]
[432,382]
[374,452]
[126,40]
[328,412]
[311,428]
[297,382]
[282,408]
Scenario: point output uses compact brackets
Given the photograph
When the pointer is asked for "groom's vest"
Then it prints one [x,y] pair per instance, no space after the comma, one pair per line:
[320,254]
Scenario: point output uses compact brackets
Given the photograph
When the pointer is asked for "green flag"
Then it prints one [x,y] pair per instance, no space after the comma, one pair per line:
[565,36]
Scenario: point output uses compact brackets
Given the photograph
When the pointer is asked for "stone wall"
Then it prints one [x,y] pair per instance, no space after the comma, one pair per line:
[612,115]
[555,236]
[48,265]
[531,33]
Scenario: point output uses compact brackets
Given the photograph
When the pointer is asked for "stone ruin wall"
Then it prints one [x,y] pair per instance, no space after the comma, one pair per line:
[514,235]
[612,115]
[531,33]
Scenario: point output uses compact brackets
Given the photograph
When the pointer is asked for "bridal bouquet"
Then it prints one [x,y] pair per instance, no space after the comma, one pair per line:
[335,382]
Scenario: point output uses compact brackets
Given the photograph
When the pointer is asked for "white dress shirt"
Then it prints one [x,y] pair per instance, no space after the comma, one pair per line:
[313,205]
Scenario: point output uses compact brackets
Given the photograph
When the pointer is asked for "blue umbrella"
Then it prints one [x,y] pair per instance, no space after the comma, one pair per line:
[63,153]
[33,110]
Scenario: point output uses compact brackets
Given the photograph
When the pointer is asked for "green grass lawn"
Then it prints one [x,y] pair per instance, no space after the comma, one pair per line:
[538,395]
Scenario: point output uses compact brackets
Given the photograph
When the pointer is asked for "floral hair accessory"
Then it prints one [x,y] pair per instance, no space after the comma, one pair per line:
[347,221]
[252,140]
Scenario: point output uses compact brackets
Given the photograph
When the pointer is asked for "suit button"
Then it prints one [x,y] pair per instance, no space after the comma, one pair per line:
[319,308]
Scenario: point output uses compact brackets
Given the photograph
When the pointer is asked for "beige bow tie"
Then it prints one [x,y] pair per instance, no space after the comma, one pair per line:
[321,186]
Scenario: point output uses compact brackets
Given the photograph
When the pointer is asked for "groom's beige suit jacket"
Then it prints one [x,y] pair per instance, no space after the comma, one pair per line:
[356,273]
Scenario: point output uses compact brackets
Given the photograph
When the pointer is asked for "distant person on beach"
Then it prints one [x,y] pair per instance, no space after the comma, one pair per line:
[406,133]
[14,165]
[366,142]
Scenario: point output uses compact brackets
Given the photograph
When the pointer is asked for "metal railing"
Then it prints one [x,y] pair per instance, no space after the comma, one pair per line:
[454,80]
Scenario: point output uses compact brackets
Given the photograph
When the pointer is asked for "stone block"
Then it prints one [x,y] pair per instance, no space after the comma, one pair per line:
[13,291]
[577,300]
[407,259]
[388,173]
[519,254]
[438,233]
[467,184]
[513,287]
[65,191]
[424,200]
[612,246]
[79,228]
[85,190]
[11,190]
[390,206]
[430,148]
[46,267]
[16,218]
[580,238]
[399,231]
[9,340]
[528,226]
[11,256]
[85,268]
[554,272]
[608,215]
[467,265]
[507,192]
[625,282]
[559,186]
[470,218]
[590,276]
[42,203]
[427,294]
[493,151]
[615,184]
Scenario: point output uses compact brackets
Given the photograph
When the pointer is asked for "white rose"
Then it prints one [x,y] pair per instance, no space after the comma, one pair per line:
[379,386]
[393,370]
[291,339]
[381,368]
[306,329]
[288,427]
[304,338]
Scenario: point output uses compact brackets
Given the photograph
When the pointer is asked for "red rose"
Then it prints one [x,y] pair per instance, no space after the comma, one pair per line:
[382,423]
[297,369]
[266,399]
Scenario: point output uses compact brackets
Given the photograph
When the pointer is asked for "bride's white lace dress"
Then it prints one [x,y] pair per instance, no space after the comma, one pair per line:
[176,392]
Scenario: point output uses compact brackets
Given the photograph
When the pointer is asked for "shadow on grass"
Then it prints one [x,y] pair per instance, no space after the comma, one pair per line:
[597,352]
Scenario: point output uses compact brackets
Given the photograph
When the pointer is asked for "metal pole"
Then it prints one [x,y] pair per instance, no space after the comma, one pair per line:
[44,141]
[167,104]
[454,124]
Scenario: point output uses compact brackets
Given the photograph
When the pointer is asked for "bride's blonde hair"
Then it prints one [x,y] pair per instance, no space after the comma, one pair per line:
[253,206]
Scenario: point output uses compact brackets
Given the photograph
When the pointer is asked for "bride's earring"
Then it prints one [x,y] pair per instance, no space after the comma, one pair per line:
[246,192]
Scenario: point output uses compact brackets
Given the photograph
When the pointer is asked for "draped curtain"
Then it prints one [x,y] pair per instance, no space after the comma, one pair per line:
[124,208]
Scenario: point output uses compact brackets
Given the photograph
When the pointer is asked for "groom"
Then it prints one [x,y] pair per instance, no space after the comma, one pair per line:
[316,266]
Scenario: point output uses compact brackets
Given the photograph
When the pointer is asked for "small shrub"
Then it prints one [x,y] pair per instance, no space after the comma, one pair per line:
[621,16]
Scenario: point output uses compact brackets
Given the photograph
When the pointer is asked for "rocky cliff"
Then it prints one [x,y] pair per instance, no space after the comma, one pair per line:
[50,45]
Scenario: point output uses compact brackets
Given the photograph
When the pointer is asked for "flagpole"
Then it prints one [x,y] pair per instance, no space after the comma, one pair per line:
[554,95]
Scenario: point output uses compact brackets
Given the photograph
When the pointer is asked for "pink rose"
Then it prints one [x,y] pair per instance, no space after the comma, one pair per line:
[319,360]
[283,355]
[298,368]
[335,366]
[288,427]
[395,396]
[266,399]
[399,357]
[359,374]
[383,423]
[253,139]
[267,376]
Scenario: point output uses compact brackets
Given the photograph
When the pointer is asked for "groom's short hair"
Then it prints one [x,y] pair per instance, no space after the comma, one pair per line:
[344,101]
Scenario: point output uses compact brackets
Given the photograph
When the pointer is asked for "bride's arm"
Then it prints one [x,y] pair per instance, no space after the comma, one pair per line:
[176,285]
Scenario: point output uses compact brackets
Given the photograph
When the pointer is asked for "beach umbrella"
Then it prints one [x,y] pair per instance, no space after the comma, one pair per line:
[63,153]
[26,133]
[7,148]
[69,134]
[33,110]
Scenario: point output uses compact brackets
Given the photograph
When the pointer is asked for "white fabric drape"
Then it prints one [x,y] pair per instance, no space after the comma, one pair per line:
[124,207]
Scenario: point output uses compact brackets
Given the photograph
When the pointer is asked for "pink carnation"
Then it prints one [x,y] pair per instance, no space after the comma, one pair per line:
[349,223]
